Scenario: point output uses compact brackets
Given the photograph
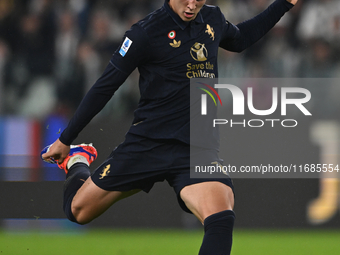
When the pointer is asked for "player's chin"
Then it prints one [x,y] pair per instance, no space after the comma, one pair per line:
[187,19]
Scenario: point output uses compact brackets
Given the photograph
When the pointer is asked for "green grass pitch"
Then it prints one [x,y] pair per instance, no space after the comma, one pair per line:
[166,242]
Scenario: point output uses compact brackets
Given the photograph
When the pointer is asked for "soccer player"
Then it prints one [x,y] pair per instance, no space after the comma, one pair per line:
[163,46]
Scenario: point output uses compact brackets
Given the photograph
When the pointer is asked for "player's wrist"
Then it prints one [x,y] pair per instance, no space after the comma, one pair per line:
[64,141]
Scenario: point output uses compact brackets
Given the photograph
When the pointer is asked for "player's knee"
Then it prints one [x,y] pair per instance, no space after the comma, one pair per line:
[206,199]
[80,214]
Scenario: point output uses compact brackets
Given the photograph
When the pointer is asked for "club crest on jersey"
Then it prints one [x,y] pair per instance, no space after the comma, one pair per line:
[105,172]
[210,32]
[125,46]
[172,34]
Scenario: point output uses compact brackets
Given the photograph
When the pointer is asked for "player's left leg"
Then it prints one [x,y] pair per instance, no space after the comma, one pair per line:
[83,199]
[212,203]
[90,201]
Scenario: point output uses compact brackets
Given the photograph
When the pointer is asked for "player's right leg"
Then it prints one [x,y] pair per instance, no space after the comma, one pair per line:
[84,200]
[212,203]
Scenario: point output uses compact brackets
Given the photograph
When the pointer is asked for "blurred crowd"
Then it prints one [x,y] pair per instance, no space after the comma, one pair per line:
[51,52]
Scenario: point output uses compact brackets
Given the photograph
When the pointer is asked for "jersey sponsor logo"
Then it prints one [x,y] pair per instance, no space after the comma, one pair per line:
[105,172]
[210,32]
[200,70]
[125,46]
[172,34]
[199,52]
[175,44]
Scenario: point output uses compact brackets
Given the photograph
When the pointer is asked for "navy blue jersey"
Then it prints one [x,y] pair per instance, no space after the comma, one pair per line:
[168,52]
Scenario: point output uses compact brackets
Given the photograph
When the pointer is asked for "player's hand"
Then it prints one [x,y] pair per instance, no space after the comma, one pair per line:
[58,151]
[292,1]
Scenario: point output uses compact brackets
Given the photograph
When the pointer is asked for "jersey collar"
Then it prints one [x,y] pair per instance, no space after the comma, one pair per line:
[181,23]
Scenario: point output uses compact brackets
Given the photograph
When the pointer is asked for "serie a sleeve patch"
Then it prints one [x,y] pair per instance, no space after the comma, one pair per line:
[125,46]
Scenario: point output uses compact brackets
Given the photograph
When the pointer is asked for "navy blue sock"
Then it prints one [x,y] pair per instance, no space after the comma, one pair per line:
[75,178]
[218,230]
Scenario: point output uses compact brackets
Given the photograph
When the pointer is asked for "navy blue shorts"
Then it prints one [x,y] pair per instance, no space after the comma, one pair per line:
[139,162]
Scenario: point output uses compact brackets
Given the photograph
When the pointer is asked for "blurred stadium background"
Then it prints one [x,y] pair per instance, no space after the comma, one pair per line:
[51,52]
